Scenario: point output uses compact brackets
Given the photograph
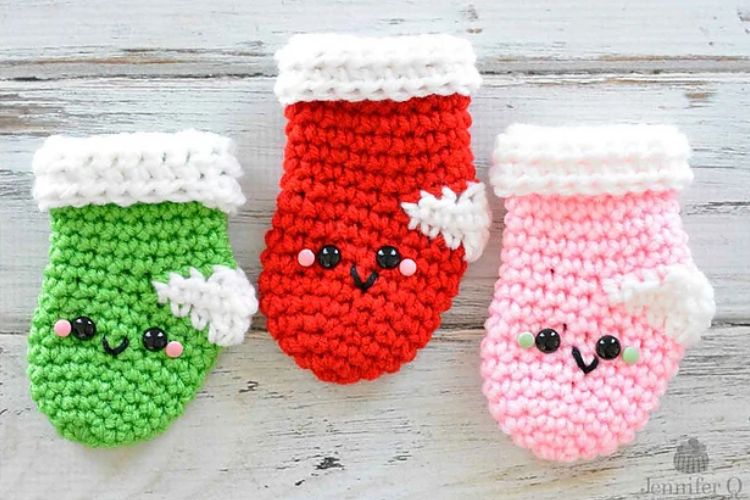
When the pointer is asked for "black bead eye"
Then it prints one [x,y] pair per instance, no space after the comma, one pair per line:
[388,257]
[608,347]
[329,256]
[547,340]
[83,328]
[155,339]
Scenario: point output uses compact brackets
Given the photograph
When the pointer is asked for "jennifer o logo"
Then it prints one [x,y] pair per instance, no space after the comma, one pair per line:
[691,457]
[696,486]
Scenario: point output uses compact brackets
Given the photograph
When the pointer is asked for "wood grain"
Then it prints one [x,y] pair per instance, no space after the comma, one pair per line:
[261,428]
[716,206]
[84,38]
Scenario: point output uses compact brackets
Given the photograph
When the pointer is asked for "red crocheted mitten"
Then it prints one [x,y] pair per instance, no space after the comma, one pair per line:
[380,208]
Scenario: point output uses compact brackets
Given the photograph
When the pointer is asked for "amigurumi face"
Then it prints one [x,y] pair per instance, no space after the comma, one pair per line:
[109,364]
[350,286]
[353,314]
[567,373]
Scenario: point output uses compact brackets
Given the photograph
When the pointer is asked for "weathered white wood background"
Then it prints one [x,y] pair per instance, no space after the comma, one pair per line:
[262,428]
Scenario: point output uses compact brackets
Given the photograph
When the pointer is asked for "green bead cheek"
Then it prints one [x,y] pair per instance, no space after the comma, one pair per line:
[525,340]
[630,355]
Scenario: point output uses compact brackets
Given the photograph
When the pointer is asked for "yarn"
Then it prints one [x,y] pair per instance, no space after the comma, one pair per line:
[461,219]
[225,302]
[609,272]
[142,167]
[614,159]
[677,296]
[109,364]
[378,213]
[333,67]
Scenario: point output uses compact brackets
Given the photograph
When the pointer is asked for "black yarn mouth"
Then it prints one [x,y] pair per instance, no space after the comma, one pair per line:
[363,285]
[583,366]
[117,350]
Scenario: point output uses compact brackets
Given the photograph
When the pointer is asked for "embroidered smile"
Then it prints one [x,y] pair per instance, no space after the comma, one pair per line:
[117,350]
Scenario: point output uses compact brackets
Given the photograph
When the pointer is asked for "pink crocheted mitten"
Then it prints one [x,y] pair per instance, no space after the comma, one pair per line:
[598,294]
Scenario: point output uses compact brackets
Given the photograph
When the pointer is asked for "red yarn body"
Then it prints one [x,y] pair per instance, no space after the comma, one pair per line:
[348,166]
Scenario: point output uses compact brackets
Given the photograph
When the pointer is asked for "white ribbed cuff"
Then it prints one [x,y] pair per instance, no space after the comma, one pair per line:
[611,159]
[125,169]
[331,67]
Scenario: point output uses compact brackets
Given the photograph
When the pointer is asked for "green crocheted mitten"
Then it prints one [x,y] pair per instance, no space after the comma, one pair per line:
[141,289]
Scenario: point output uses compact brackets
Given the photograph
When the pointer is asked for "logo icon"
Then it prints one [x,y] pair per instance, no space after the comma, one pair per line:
[691,457]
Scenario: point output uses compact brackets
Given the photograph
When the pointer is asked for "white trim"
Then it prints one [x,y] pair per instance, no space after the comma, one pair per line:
[461,220]
[332,67]
[225,302]
[609,159]
[677,298]
[137,168]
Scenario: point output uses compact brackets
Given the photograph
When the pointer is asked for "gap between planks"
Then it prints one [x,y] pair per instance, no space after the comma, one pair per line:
[188,63]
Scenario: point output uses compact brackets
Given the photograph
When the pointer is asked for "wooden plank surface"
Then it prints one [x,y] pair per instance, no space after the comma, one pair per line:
[701,104]
[264,429]
[74,38]
[261,427]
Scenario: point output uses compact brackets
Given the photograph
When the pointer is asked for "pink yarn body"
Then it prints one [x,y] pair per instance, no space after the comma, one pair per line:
[557,253]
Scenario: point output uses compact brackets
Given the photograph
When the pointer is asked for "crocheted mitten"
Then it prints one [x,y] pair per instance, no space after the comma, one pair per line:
[598,294]
[141,287]
[379,209]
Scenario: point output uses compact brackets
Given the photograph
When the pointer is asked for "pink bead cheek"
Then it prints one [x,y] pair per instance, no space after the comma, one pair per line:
[62,328]
[407,267]
[306,257]
[174,349]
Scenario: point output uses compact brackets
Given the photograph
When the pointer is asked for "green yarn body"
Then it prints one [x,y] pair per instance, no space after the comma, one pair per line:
[102,263]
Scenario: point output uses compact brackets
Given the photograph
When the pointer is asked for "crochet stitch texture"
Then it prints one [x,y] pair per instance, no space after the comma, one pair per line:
[110,385]
[143,167]
[596,267]
[369,171]
[334,67]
